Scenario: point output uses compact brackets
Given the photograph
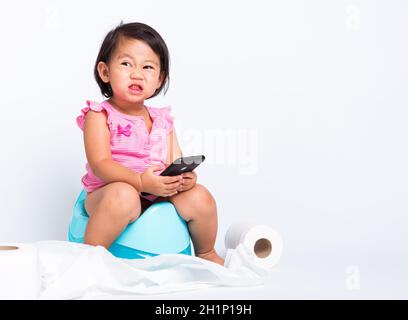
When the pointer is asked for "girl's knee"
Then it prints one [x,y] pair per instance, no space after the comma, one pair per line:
[123,199]
[203,197]
[203,203]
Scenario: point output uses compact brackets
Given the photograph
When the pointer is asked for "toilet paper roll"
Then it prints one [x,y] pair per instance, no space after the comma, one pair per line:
[19,272]
[263,242]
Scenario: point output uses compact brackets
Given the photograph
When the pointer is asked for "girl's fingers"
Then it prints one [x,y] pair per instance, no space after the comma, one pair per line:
[174,185]
[185,183]
[170,185]
[168,180]
[173,192]
[172,188]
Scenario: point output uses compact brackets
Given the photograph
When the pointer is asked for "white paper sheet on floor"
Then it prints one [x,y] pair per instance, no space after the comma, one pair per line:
[71,270]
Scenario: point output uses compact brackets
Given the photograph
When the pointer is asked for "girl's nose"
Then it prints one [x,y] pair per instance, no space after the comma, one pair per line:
[136,74]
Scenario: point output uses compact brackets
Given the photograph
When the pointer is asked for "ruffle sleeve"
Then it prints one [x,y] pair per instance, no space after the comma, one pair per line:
[94,106]
[168,119]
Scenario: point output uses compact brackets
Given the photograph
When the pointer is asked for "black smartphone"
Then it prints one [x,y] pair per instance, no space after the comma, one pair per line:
[181,165]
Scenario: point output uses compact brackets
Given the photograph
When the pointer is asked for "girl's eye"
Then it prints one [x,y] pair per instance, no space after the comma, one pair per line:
[147,67]
[125,64]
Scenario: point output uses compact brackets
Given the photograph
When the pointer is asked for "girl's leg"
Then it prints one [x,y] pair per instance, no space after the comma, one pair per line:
[110,208]
[197,206]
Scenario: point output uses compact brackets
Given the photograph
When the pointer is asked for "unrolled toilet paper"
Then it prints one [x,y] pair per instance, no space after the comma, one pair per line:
[19,272]
[263,242]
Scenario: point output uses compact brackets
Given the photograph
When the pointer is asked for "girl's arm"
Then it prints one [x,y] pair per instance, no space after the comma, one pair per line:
[98,154]
[173,148]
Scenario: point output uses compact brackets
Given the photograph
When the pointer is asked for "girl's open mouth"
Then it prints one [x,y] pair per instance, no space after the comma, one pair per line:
[135,89]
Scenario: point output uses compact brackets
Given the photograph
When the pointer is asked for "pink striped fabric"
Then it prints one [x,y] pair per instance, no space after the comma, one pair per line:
[131,144]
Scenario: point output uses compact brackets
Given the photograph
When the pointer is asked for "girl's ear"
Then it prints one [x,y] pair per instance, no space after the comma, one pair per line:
[103,71]
[161,78]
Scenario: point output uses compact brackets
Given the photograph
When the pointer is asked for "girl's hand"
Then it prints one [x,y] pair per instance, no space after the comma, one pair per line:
[189,181]
[159,185]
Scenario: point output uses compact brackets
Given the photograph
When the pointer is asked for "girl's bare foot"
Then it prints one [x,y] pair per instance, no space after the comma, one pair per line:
[211,256]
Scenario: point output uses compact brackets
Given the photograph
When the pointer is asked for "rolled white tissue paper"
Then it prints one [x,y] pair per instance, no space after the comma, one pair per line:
[19,272]
[264,243]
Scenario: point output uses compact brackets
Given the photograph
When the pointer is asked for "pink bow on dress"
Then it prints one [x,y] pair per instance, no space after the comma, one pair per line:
[126,130]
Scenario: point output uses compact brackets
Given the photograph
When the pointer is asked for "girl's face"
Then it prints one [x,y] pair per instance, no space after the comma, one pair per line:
[133,72]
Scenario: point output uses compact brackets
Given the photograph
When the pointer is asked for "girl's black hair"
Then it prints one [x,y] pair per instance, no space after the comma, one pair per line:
[139,31]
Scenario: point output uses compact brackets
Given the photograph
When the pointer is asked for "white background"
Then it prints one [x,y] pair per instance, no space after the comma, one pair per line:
[321,85]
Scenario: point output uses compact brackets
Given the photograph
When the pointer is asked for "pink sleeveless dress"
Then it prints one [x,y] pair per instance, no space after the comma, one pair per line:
[131,144]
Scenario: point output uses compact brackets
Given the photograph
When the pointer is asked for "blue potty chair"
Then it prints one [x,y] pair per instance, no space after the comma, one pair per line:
[159,230]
